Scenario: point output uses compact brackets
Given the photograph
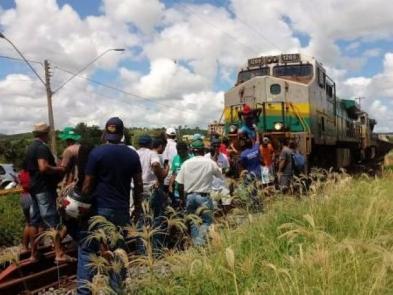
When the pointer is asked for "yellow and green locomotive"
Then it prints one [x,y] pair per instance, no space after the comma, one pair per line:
[294,97]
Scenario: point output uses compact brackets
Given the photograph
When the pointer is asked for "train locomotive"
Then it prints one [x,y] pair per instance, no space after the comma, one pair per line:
[292,96]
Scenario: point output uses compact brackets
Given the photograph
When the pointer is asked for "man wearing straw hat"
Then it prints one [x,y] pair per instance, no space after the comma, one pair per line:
[44,177]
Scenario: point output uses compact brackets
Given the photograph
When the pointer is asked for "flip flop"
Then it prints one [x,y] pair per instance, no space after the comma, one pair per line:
[65,259]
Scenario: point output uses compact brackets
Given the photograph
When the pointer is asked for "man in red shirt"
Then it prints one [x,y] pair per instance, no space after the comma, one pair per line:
[267,151]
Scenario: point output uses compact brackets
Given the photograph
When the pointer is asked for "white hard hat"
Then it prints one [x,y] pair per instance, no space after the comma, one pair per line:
[265,140]
[170,131]
[73,205]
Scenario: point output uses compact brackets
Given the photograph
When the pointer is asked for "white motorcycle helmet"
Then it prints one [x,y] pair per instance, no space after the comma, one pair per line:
[74,205]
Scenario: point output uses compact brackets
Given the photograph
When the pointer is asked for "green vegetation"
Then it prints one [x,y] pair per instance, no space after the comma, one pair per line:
[11,220]
[338,240]
[13,147]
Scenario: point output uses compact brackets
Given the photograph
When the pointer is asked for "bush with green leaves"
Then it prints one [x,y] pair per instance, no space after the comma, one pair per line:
[11,220]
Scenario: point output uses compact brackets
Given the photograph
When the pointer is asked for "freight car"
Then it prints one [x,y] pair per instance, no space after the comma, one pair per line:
[292,96]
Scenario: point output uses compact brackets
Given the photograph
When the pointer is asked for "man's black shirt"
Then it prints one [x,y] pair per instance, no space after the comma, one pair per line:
[40,182]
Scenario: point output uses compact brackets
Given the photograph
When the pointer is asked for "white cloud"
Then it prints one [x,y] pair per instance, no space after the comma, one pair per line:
[47,31]
[145,14]
[168,80]
[188,47]
[378,93]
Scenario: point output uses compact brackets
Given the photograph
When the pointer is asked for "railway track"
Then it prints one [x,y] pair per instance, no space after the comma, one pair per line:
[36,278]
[30,277]
[6,192]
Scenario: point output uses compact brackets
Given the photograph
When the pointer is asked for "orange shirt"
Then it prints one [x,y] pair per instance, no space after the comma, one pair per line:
[267,154]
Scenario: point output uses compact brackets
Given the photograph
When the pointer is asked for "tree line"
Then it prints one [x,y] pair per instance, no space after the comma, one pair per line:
[13,147]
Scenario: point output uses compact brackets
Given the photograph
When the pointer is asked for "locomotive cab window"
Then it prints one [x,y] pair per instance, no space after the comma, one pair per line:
[321,78]
[300,73]
[293,70]
[249,74]
[329,90]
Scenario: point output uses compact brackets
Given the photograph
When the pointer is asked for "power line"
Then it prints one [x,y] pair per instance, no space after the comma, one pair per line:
[218,29]
[142,98]
[138,98]
[258,32]
[123,91]
[21,60]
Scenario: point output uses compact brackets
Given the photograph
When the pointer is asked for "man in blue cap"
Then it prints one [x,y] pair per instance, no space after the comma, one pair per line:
[109,171]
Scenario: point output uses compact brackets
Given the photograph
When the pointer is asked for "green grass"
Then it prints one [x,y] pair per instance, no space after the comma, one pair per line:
[339,240]
[11,220]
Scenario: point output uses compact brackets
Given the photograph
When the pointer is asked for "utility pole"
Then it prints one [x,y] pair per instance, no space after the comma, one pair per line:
[52,134]
[359,99]
[49,91]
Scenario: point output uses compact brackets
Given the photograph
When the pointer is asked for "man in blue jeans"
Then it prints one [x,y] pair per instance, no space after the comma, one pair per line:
[109,171]
[44,177]
[195,180]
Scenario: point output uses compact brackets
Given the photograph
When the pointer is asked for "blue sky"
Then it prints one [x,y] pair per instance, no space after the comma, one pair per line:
[177,51]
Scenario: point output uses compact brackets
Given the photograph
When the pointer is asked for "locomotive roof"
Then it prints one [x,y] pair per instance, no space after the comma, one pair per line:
[291,58]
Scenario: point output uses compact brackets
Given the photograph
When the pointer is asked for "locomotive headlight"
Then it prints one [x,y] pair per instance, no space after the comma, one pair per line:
[278,126]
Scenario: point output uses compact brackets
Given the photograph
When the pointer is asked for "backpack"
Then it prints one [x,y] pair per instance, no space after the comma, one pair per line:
[298,163]
[24,180]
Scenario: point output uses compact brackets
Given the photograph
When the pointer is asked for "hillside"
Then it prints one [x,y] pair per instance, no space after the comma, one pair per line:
[337,241]
[13,137]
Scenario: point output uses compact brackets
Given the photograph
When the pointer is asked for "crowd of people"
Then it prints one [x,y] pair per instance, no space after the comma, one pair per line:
[109,179]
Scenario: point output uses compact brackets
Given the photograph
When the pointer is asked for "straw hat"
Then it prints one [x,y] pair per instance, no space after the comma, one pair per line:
[41,128]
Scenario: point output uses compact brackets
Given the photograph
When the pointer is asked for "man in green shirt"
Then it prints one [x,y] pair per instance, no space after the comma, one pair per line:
[178,160]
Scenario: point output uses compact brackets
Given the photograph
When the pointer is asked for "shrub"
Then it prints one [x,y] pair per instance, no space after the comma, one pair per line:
[11,220]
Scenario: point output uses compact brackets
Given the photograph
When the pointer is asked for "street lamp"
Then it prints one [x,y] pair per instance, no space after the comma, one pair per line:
[23,57]
[46,83]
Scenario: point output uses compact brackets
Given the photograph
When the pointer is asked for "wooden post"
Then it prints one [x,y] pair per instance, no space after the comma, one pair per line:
[52,134]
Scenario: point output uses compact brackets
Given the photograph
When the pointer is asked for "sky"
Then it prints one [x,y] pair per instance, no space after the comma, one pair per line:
[181,56]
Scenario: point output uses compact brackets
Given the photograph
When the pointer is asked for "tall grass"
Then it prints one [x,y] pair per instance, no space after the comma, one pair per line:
[337,240]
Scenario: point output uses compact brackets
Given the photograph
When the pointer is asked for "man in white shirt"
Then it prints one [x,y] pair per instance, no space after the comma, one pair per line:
[218,184]
[170,152]
[195,183]
[153,175]
[150,162]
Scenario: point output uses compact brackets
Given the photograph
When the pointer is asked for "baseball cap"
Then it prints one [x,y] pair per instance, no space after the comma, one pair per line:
[246,109]
[170,131]
[197,136]
[215,141]
[114,128]
[197,144]
[145,140]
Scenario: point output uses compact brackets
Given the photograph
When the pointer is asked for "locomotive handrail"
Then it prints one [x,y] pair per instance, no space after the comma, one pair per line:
[300,118]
